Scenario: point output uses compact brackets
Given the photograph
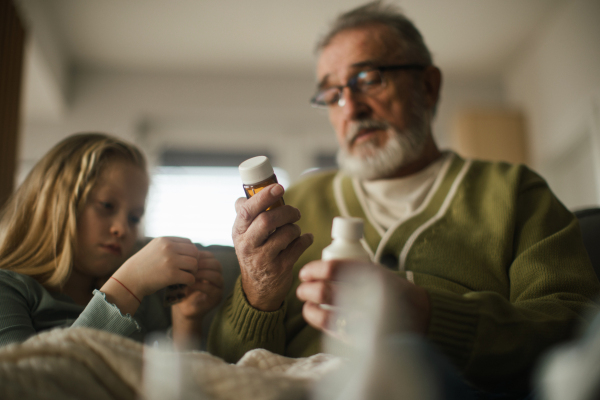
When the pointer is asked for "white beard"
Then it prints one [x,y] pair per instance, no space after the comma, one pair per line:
[401,148]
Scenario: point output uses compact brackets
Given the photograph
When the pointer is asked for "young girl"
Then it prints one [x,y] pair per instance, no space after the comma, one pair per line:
[67,237]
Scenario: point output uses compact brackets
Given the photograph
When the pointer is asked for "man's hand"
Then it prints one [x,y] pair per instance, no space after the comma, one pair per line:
[322,281]
[267,244]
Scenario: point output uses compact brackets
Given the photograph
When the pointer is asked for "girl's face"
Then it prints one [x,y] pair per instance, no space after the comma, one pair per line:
[107,227]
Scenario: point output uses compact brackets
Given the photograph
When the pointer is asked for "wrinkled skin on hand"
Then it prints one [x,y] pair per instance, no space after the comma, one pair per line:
[267,244]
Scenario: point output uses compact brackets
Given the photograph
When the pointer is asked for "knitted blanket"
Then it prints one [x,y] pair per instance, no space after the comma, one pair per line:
[81,363]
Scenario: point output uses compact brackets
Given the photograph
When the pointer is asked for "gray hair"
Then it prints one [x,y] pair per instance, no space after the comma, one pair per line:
[411,42]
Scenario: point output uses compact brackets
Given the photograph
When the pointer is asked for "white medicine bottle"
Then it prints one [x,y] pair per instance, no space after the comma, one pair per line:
[346,233]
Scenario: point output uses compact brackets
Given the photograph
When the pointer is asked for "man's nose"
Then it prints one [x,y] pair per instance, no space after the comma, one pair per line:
[352,104]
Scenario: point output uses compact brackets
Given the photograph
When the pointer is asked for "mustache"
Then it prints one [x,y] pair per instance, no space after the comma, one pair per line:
[364,124]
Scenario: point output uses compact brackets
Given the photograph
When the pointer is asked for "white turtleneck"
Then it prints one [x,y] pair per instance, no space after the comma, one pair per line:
[389,201]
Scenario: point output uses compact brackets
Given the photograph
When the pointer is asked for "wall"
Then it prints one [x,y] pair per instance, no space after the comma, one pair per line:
[236,113]
[556,81]
[191,112]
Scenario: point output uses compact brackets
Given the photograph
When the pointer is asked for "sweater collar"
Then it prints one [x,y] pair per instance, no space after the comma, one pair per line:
[397,236]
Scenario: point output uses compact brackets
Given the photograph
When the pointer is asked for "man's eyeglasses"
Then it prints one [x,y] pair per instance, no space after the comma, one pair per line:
[367,82]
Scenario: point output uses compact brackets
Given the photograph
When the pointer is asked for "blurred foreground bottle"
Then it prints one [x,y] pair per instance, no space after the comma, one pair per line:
[167,373]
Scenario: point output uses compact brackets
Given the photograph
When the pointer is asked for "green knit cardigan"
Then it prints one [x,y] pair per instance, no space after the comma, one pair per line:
[500,257]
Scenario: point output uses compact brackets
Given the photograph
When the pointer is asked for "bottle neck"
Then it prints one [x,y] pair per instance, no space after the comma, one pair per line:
[341,248]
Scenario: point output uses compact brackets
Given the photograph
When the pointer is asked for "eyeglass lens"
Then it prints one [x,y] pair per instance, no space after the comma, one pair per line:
[363,82]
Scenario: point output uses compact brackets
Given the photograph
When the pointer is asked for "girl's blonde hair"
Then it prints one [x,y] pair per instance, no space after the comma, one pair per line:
[38,225]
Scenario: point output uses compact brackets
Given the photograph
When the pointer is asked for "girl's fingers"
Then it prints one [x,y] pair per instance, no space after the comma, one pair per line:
[187,264]
[212,264]
[186,249]
[206,288]
[203,292]
[212,277]
[183,277]
[203,254]
[173,245]
[178,239]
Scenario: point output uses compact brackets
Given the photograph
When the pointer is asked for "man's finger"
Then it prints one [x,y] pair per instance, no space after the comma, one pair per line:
[248,209]
[281,239]
[265,226]
[317,270]
[329,270]
[315,315]
[319,292]
[295,249]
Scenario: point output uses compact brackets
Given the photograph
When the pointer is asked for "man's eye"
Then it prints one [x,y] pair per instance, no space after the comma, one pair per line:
[368,78]
[134,220]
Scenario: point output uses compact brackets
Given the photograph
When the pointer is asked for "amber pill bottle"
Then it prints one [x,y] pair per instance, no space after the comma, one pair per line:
[257,173]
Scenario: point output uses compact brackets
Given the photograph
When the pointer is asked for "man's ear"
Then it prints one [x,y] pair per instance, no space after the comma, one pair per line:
[433,84]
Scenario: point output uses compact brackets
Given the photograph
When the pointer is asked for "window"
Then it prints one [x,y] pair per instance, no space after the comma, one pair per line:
[197,202]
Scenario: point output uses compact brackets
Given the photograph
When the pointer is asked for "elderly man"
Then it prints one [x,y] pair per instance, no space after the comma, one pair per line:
[490,265]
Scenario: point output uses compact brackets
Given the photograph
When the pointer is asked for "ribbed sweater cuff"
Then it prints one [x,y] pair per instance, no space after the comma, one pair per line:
[100,314]
[453,325]
[252,324]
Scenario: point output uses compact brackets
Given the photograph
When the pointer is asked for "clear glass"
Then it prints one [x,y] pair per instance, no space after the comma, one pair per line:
[368,82]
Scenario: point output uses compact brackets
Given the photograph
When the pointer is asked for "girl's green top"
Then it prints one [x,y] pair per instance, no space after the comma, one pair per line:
[27,308]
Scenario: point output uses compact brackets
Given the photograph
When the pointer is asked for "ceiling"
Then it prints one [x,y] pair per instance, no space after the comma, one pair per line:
[467,37]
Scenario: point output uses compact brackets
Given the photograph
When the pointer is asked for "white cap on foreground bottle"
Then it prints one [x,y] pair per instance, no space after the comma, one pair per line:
[346,233]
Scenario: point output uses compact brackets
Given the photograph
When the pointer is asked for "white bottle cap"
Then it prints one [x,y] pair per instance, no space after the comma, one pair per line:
[348,228]
[255,169]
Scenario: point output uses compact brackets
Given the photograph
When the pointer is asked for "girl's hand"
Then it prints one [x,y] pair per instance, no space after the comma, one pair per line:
[201,297]
[207,291]
[162,262]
